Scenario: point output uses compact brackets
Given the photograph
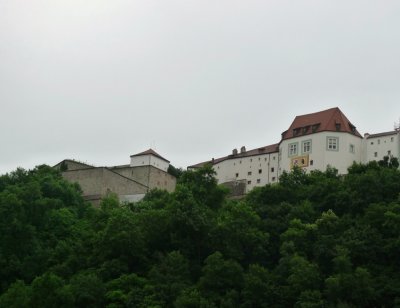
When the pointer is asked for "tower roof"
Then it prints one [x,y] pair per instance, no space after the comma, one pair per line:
[327,120]
[150,152]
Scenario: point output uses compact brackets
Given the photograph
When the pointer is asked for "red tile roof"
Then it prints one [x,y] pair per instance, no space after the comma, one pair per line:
[150,152]
[327,120]
[273,148]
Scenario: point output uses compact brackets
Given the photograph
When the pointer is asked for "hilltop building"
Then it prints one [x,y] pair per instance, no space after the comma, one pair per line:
[147,170]
[313,142]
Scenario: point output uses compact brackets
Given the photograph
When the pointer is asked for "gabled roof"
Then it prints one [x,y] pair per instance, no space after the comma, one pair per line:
[327,120]
[273,148]
[394,132]
[150,152]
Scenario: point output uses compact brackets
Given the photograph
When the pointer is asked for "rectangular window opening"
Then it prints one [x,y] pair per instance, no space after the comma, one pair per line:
[332,143]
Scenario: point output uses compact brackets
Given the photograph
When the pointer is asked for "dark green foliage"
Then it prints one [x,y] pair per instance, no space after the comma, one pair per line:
[313,240]
[176,172]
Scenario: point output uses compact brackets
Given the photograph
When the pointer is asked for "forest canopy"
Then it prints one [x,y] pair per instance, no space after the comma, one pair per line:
[312,240]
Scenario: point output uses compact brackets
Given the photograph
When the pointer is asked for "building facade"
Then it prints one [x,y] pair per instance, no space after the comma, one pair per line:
[147,170]
[313,142]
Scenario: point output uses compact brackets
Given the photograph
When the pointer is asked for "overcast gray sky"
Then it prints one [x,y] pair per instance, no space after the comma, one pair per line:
[99,80]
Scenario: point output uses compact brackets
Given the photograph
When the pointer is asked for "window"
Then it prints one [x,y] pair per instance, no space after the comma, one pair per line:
[249,182]
[391,139]
[249,173]
[372,143]
[273,157]
[272,169]
[332,143]
[389,153]
[311,162]
[292,149]
[237,174]
[376,154]
[258,181]
[259,171]
[337,125]
[379,141]
[273,179]
[351,148]
[251,159]
[306,146]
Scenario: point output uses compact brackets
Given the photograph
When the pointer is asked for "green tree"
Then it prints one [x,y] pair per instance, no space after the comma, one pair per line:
[221,280]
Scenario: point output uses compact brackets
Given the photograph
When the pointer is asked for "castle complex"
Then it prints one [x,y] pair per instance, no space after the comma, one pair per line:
[313,142]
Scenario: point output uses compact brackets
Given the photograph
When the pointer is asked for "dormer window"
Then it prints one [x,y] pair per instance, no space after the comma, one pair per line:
[305,129]
[314,128]
[337,125]
[296,131]
[353,128]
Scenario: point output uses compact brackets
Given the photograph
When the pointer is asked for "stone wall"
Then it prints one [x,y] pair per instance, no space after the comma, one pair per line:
[98,182]
[149,176]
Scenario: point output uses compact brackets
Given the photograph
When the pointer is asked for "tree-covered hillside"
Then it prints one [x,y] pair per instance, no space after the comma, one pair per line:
[313,240]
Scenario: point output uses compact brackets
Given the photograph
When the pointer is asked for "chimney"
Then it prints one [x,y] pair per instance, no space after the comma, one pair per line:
[243,149]
[366,135]
[212,160]
[234,152]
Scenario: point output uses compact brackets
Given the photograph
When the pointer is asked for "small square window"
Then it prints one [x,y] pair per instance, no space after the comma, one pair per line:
[272,169]
[273,179]
[249,182]
[237,174]
[259,171]
[372,143]
[249,173]
[258,181]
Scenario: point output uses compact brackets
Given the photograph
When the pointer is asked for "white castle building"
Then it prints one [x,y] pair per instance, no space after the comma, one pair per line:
[313,142]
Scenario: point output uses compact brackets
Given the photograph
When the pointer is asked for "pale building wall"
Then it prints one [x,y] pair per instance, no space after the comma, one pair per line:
[256,170]
[149,160]
[378,147]
[319,157]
